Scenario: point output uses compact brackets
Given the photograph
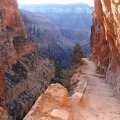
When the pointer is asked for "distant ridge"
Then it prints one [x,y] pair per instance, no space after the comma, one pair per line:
[54,6]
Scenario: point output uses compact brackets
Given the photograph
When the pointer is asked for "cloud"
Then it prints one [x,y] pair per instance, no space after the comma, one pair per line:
[90,2]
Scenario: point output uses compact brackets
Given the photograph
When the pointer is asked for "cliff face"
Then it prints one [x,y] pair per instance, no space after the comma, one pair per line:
[55,34]
[24,73]
[47,37]
[2,87]
[11,16]
[106,38]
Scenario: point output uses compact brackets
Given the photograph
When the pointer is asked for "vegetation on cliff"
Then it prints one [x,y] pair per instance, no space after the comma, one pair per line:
[63,76]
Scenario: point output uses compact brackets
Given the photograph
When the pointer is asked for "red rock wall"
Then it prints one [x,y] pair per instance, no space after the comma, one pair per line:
[25,74]
[2,88]
[106,38]
[100,49]
[22,50]
[8,54]
[11,16]
[11,25]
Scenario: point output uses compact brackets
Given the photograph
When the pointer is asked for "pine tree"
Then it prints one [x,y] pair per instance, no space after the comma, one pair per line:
[58,70]
[77,54]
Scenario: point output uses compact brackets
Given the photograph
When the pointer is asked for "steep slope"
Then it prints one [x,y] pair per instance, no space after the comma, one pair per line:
[47,37]
[105,39]
[69,20]
[57,28]
[24,73]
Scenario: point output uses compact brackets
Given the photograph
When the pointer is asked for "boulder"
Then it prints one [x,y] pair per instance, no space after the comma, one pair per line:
[61,114]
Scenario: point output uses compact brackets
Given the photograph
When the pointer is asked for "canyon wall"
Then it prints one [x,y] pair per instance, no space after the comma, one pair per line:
[105,39]
[47,37]
[54,34]
[24,73]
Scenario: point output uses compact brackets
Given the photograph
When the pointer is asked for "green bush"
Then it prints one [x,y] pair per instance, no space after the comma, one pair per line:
[77,54]
[58,70]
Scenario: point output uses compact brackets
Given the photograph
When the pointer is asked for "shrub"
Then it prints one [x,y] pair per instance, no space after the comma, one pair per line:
[63,76]
[77,54]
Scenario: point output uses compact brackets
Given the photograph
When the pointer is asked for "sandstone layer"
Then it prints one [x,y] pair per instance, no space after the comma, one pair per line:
[54,104]
[24,73]
[106,39]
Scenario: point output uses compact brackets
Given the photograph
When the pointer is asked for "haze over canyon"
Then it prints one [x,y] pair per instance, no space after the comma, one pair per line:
[56,28]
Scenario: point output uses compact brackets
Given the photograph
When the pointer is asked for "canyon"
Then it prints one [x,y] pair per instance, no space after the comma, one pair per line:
[101,98]
[47,37]
[25,74]
[54,29]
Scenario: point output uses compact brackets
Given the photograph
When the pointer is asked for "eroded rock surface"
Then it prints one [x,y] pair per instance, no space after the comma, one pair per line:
[51,105]
[24,73]
[106,39]
[3,114]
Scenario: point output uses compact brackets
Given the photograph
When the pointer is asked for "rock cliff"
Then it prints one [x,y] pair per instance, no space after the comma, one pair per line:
[24,73]
[47,37]
[55,34]
[106,39]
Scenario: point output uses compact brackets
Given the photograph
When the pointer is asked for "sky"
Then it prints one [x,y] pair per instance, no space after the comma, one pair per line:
[89,2]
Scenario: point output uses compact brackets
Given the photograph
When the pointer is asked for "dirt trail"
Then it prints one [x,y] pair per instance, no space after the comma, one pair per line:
[99,101]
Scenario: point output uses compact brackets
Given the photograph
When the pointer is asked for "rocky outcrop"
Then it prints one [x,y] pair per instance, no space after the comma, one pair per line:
[11,18]
[56,104]
[51,105]
[24,73]
[105,39]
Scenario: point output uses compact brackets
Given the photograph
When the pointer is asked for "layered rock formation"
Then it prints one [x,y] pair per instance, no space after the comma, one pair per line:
[55,31]
[106,38]
[47,37]
[24,73]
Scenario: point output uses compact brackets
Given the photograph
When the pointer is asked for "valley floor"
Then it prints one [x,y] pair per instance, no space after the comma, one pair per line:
[99,101]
